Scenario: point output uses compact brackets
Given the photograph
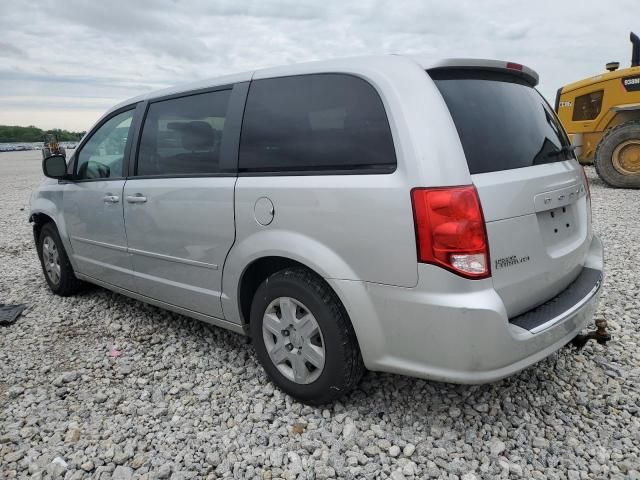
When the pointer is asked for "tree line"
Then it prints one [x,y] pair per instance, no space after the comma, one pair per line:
[14,133]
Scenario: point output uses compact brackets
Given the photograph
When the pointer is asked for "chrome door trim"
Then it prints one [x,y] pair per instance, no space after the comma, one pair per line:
[118,248]
[171,258]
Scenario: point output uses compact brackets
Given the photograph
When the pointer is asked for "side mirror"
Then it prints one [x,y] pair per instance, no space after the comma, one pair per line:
[55,166]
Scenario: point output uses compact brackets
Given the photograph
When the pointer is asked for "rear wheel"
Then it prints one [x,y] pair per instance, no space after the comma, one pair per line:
[303,337]
[617,158]
[56,267]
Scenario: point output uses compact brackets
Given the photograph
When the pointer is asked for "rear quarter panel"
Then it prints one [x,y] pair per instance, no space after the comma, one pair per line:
[353,227]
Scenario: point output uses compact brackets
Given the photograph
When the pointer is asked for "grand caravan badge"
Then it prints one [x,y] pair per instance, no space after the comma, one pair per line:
[510,261]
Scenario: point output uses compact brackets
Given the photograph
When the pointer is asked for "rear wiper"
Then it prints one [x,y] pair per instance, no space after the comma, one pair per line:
[564,150]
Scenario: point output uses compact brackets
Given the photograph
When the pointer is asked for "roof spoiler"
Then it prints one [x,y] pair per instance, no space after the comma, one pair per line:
[517,69]
[635,51]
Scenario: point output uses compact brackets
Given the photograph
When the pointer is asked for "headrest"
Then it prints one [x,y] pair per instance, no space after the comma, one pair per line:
[196,135]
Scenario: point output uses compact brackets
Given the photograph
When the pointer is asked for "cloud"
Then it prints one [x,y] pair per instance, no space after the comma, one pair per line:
[8,50]
[100,53]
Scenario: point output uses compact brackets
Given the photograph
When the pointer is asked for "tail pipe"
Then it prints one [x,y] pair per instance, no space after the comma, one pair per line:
[635,52]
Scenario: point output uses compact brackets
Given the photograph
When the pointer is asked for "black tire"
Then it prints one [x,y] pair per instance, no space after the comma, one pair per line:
[603,159]
[67,283]
[343,366]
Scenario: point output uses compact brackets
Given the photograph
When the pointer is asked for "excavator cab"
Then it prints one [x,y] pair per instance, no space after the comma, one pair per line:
[601,114]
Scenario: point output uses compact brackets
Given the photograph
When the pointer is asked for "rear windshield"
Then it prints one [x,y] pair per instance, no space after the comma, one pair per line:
[502,121]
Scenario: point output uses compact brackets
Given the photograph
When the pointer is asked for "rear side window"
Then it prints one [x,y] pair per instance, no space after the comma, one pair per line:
[318,122]
[183,136]
[587,107]
[503,122]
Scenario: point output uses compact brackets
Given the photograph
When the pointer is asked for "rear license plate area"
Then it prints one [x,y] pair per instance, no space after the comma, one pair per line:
[558,225]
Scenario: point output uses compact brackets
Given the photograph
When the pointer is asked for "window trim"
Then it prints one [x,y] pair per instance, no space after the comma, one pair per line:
[127,149]
[229,165]
[575,103]
[370,169]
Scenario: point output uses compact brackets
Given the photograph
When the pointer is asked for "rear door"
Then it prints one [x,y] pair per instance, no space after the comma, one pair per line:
[178,207]
[531,187]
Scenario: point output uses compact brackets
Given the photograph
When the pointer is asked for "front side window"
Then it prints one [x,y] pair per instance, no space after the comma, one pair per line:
[102,156]
[315,122]
[587,107]
[183,136]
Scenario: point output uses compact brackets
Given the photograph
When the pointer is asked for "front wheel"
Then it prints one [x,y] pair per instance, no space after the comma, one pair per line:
[56,267]
[303,337]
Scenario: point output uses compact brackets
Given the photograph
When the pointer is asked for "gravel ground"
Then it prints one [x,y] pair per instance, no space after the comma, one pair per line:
[185,400]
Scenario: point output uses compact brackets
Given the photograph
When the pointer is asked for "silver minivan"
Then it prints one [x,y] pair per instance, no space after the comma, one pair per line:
[388,213]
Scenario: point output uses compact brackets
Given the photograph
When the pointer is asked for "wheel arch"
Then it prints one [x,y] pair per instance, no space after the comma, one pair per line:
[274,248]
[45,211]
[39,219]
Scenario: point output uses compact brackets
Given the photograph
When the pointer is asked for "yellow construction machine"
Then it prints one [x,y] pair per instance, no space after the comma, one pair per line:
[602,116]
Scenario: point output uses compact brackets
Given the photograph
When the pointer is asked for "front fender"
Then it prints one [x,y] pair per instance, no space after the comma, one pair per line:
[48,201]
[277,243]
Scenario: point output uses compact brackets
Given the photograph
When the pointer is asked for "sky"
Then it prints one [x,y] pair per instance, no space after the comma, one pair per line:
[63,63]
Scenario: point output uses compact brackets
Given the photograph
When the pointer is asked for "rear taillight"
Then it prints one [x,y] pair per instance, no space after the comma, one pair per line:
[450,230]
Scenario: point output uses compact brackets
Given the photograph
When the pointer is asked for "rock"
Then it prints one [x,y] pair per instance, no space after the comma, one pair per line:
[99,398]
[573,475]
[276,457]
[394,451]
[13,456]
[515,469]
[164,471]
[122,473]
[72,436]
[15,392]
[540,442]
[372,450]
[349,431]
[324,472]
[397,475]
[213,459]
[295,463]
[69,377]
[137,462]
[409,449]
[496,447]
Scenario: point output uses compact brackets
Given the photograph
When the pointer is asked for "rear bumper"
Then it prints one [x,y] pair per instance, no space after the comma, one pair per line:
[464,337]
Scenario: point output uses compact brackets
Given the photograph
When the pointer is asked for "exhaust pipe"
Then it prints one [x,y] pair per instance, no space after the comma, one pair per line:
[635,52]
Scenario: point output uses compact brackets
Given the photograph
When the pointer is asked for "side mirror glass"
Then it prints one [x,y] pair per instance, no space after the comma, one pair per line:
[54,166]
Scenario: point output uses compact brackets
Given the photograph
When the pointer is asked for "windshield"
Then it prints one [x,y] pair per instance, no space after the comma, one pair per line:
[502,121]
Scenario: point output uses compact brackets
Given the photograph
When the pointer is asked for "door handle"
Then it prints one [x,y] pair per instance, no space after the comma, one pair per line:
[137,198]
[109,198]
